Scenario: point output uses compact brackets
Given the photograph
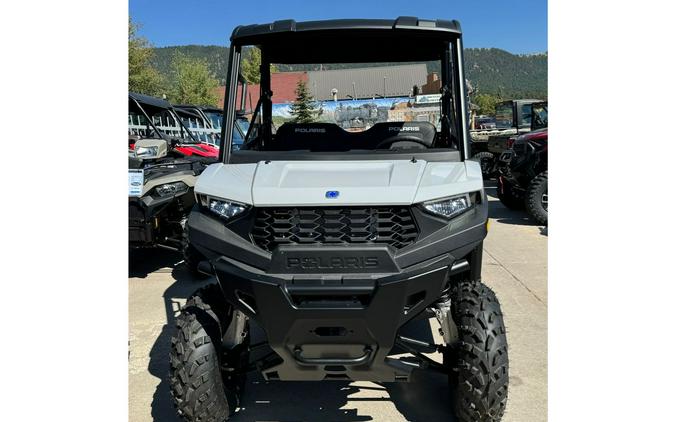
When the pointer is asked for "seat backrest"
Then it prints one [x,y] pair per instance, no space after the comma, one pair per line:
[312,136]
[424,131]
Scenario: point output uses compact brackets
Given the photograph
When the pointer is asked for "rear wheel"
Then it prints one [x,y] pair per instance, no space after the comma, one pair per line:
[479,361]
[198,362]
[508,196]
[537,198]
[487,163]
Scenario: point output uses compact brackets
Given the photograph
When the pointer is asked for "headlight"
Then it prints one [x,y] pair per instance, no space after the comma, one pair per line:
[147,152]
[223,208]
[449,207]
[169,189]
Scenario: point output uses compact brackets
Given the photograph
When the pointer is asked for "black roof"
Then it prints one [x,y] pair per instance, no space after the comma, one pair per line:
[290,25]
[203,108]
[151,101]
[405,38]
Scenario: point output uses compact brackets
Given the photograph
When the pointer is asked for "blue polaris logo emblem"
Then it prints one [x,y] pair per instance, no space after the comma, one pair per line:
[332,194]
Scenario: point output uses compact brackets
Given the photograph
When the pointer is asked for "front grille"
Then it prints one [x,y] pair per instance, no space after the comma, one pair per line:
[333,225]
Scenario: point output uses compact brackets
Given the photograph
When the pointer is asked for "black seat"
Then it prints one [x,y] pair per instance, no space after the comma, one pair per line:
[380,132]
[311,136]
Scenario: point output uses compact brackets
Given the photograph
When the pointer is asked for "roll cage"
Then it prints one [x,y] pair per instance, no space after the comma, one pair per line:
[149,106]
[399,40]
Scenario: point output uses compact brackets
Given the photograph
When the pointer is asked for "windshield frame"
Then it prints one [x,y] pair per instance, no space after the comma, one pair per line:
[454,110]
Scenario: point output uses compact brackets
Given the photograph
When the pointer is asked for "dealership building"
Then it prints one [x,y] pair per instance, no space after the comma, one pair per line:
[348,84]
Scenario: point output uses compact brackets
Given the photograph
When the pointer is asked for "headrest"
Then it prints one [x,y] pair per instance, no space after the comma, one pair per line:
[310,136]
[303,129]
[422,130]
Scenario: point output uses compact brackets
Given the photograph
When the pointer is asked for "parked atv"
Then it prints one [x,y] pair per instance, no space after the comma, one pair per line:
[155,118]
[523,170]
[332,241]
[512,118]
[161,182]
[161,195]
[211,119]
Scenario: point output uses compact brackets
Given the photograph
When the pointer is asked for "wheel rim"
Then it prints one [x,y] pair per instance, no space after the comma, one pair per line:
[544,201]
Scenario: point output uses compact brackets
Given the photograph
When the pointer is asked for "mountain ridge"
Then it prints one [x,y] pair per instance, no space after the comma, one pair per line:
[489,70]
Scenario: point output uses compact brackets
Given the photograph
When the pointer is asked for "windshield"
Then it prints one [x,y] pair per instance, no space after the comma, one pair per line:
[527,115]
[164,124]
[216,118]
[540,116]
[504,115]
[331,107]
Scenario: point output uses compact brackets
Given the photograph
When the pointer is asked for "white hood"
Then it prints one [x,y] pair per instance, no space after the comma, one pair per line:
[307,183]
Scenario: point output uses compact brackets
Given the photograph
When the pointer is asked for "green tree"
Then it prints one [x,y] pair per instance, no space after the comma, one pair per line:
[486,103]
[143,78]
[192,82]
[303,108]
[250,66]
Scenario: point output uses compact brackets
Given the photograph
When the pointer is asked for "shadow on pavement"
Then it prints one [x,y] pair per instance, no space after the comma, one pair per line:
[424,398]
[145,261]
[427,397]
[504,215]
[297,401]
[184,285]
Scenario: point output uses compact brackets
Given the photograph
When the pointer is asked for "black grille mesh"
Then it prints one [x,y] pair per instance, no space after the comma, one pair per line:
[332,225]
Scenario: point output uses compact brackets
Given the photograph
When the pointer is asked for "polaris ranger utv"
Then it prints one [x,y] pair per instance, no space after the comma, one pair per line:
[332,241]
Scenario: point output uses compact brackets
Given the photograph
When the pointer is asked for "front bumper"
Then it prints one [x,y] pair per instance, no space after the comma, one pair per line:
[333,326]
[149,217]
[334,312]
[141,225]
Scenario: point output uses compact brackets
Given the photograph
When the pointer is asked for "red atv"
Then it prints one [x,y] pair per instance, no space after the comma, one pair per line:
[523,169]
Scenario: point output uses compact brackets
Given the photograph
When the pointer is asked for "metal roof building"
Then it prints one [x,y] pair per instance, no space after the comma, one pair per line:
[367,82]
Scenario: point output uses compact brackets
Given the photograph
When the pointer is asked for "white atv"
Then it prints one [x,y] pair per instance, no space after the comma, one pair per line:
[332,240]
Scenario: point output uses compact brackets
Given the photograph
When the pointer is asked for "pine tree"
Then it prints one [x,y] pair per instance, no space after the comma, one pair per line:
[303,109]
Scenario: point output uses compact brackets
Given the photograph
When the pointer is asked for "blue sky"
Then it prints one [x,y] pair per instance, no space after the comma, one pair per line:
[518,26]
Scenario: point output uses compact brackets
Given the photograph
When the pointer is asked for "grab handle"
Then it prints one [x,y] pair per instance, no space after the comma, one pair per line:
[332,361]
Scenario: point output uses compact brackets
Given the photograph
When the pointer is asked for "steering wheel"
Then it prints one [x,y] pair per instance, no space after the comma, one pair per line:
[403,138]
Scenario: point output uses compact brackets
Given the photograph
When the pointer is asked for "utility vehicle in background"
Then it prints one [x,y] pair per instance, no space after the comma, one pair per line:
[331,242]
[161,194]
[162,176]
[155,118]
[512,118]
[211,118]
[523,169]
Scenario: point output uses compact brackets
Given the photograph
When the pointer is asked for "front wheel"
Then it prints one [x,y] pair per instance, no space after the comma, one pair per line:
[479,360]
[537,198]
[487,163]
[508,196]
[199,390]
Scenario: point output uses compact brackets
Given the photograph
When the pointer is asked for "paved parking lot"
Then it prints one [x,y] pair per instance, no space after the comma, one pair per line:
[514,265]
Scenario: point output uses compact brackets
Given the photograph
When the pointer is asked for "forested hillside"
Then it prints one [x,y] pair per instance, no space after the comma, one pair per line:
[490,70]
